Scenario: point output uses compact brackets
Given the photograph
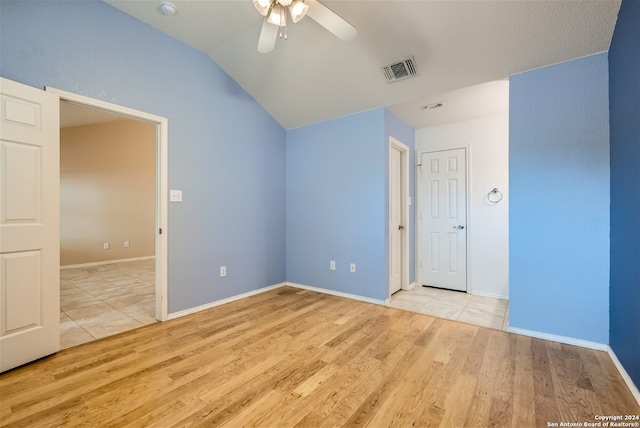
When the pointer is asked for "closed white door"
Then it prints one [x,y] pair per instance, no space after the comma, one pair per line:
[395,220]
[442,216]
[29,224]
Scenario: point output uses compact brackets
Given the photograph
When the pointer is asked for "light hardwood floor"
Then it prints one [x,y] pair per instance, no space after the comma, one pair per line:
[293,357]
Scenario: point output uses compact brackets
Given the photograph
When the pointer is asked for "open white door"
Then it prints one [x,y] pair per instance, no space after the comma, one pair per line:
[398,216]
[395,220]
[29,224]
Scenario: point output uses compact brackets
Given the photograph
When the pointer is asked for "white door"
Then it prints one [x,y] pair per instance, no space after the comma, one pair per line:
[442,216]
[395,220]
[29,224]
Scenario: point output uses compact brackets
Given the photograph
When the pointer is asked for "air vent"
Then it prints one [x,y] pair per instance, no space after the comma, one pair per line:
[400,70]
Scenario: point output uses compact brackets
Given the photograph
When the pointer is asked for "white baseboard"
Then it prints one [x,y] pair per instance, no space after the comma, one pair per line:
[210,305]
[627,379]
[338,293]
[411,286]
[557,338]
[485,294]
[585,344]
[107,262]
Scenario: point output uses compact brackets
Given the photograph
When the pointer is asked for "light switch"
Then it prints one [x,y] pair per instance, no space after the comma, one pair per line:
[175,195]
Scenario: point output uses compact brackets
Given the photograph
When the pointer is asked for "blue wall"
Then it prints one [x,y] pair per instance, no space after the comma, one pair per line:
[624,98]
[232,175]
[336,204]
[337,198]
[559,199]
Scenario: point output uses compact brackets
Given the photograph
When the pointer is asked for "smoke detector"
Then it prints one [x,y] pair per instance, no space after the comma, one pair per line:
[401,70]
[167,8]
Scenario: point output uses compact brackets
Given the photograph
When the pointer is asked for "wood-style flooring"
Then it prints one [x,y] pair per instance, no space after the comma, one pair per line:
[293,357]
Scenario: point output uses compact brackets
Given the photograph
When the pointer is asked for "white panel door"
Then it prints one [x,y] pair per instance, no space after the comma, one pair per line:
[442,216]
[395,220]
[29,224]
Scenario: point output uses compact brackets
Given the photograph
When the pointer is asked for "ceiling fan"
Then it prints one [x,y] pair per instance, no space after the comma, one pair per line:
[275,20]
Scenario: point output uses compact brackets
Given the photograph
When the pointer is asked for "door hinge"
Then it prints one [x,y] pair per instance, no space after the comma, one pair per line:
[160,231]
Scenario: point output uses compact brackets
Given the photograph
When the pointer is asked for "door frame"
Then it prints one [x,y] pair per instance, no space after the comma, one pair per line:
[162,136]
[467,172]
[395,144]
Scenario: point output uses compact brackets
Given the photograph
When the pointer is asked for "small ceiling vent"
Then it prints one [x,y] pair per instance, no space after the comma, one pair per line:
[400,70]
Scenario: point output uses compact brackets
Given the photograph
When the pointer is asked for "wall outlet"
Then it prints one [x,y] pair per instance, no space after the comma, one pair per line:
[126,244]
[353,267]
[105,246]
[223,271]
[175,195]
[332,265]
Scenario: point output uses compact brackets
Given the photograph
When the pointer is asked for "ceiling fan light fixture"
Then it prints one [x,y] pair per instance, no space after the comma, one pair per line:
[298,10]
[277,15]
[262,6]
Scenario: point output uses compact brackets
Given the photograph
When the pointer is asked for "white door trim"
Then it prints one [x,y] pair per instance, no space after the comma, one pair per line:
[418,252]
[394,144]
[162,136]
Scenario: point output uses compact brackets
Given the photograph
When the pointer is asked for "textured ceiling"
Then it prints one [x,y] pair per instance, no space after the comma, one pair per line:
[313,76]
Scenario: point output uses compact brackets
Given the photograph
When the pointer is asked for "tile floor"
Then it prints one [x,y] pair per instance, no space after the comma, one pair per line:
[99,301]
[454,305]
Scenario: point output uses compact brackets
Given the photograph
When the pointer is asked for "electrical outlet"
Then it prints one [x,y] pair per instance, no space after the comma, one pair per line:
[353,267]
[175,195]
[105,246]
[223,271]
[332,265]
[126,244]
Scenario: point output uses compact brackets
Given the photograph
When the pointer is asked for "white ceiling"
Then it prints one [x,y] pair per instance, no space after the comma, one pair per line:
[72,114]
[313,76]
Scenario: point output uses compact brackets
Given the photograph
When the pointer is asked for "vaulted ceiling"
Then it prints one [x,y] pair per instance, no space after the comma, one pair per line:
[464,52]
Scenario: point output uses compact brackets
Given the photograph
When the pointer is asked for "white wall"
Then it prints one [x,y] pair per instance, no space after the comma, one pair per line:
[487,143]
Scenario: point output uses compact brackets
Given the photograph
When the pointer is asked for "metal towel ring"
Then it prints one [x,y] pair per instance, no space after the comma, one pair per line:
[494,196]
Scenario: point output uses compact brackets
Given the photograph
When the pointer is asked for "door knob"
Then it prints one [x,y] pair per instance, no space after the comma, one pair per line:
[458,227]
[400,227]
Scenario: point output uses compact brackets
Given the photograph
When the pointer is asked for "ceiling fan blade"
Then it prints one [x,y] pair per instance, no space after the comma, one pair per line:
[329,20]
[268,37]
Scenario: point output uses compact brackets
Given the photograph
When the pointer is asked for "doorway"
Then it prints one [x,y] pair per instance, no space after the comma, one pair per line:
[143,276]
[30,248]
[107,224]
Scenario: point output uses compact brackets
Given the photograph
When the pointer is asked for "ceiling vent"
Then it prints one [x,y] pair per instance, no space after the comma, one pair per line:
[400,70]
